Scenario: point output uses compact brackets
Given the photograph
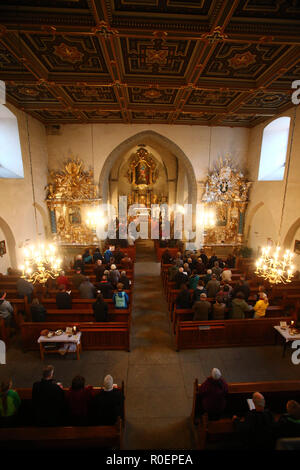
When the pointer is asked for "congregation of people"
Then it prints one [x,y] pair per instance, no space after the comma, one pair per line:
[213,296]
[257,429]
[110,283]
[51,405]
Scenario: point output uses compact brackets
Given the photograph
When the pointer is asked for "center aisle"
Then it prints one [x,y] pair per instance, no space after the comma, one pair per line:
[157,405]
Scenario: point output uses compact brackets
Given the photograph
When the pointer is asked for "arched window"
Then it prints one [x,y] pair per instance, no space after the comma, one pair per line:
[11,164]
[273,150]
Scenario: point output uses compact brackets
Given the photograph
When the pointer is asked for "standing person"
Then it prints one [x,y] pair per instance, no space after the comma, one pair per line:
[63,299]
[213,394]
[166,257]
[288,424]
[226,274]
[77,278]
[204,257]
[62,279]
[99,270]
[201,309]
[97,255]
[120,298]
[100,308]
[9,403]
[125,280]
[78,400]
[107,255]
[107,404]
[183,298]
[87,257]
[261,306]
[79,264]
[126,262]
[24,289]
[200,289]
[257,429]
[48,400]
[212,287]
[114,275]
[6,309]
[180,278]
[119,255]
[87,289]
[218,309]
[239,306]
[194,279]
[216,270]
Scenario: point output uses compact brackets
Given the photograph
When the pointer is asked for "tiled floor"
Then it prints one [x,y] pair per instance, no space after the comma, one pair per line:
[158,380]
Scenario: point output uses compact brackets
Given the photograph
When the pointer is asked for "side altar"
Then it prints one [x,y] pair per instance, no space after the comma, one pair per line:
[71,195]
[226,193]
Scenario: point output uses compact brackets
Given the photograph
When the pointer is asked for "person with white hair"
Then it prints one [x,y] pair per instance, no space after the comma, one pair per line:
[213,392]
[107,405]
[256,430]
[114,275]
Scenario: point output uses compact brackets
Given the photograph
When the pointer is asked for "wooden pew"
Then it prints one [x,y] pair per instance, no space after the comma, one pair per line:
[28,437]
[79,315]
[95,335]
[227,333]
[276,394]
[83,304]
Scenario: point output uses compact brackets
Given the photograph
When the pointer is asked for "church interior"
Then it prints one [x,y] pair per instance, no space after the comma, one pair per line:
[161,137]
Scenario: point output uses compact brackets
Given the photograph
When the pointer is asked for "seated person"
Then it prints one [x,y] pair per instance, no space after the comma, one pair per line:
[118,255]
[257,428]
[78,399]
[48,400]
[218,309]
[213,393]
[107,404]
[200,289]
[6,309]
[239,306]
[105,287]
[120,298]
[37,310]
[126,262]
[62,279]
[87,289]
[63,299]
[261,306]
[9,403]
[125,280]
[100,308]
[201,308]
[288,424]
[186,269]
[183,298]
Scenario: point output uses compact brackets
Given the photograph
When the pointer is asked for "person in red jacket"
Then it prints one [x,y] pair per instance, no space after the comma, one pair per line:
[62,279]
[78,400]
[213,394]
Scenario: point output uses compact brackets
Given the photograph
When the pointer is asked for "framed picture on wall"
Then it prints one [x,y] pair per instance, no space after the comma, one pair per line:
[2,248]
[297,247]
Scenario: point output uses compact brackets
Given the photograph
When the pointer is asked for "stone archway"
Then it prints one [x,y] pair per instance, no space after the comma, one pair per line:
[152,138]
[10,241]
[252,213]
[291,234]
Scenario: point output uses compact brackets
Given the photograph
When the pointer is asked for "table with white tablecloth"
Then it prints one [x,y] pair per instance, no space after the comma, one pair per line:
[286,335]
[67,341]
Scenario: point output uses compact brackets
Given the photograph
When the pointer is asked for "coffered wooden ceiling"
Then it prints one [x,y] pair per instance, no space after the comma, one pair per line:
[150,61]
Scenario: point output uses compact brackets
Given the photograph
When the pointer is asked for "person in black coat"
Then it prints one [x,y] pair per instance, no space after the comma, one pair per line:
[99,270]
[183,299]
[48,400]
[180,278]
[257,429]
[97,255]
[100,308]
[125,280]
[37,310]
[63,299]
[105,288]
[107,405]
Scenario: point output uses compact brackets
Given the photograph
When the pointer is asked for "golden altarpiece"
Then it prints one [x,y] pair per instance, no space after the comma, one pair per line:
[226,192]
[71,194]
[142,176]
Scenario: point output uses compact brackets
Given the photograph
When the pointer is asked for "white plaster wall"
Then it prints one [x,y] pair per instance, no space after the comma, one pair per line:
[94,142]
[266,221]
[16,196]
